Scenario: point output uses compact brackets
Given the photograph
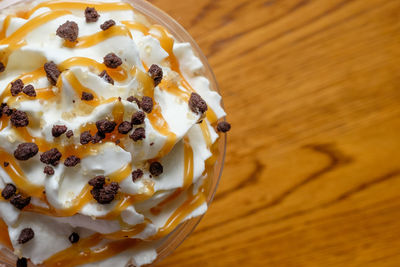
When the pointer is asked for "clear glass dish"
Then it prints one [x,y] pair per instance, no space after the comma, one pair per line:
[155,15]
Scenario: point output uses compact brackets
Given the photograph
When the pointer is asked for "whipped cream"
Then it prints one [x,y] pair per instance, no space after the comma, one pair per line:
[145,210]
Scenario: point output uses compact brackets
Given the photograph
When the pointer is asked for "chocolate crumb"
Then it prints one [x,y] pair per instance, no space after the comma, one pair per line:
[68,31]
[48,170]
[19,201]
[52,72]
[2,67]
[74,238]
[8,191]
[223,127]
[106,194]
[117,142]
[98,181]
[16,87]
[72,161]
[6,110]
[29,90]
[51,156]
[98,137]
[26,151]
[22,262]
[156,74]
[125,127]
[91,14]
[138,118]
[132,98]
[108,24]
[86,138]
[138,134]
[87,96]
[106,77]
[58,130]
[137,175]
[152,144]
[19,119]
[69,134]
[26,235]
[112,61]
[156,168]
[105,126]
[147,104]
[197,104]
[6,164]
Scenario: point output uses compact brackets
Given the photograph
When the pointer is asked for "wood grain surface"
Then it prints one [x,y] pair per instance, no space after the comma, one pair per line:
[312,174]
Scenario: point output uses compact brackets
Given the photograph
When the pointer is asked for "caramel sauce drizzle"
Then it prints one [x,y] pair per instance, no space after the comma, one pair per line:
[81,5]
[83,251]
[187,178]
[94,39]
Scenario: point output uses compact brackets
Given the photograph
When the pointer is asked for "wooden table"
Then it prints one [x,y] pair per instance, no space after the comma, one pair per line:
[312,174]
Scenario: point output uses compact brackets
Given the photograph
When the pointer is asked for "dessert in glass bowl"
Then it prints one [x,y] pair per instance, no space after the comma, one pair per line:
[111,133]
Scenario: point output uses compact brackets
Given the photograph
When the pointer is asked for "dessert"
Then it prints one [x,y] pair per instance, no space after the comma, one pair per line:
[107,134]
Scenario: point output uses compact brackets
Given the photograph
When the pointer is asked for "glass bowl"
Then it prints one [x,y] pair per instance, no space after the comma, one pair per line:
[157,16]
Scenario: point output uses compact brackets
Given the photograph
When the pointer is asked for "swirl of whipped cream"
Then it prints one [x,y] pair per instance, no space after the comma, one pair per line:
[128,229]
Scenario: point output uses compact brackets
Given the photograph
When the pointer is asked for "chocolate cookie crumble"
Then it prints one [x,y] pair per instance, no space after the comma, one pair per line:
[6,164]
[69,134]
[22,262]
[2,67]
[103,194]
[125,127]
[29,90]
[58,130]
[74,238]
[98,137]
[26,151]
[91,14]
[51,156]
[26,235]
[112,61]
[86,138]
[16,87]
[105,126]
[138,134]
[6,109]
[48,170]
[223,127]
[8,191]
[138,118]
[108,24]
[72,161]
[197,104]
[137,175]
[52,72]
[19,119]
[98,181]
[106,77]
[19,201]
[87,96]
[147,104]
[156,168]
[68,31]
[156,74]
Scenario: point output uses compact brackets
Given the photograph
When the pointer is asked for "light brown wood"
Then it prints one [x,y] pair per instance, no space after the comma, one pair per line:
[312,89]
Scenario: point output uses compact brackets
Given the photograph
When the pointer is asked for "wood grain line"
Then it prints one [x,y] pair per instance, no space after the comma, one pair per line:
[292,215]
[216,46]
[203,12]
[298,27]
[336,160]
[252,178]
